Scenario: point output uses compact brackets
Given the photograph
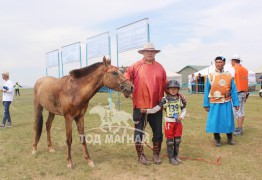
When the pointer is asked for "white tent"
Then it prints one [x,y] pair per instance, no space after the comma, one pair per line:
[259,69]
[251,77]
[174,76]
[211,69]
[227,67]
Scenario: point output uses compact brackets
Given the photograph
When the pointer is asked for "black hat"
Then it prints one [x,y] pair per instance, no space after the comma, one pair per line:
[220,58]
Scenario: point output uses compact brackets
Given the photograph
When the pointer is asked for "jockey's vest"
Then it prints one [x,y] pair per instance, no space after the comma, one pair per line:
[241,78]
[220,87]
[173,107]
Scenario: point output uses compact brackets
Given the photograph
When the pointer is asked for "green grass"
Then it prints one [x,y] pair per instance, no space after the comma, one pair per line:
[119,161]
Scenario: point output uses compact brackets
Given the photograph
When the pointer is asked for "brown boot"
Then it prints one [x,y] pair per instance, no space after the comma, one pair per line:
[141,157]
[157,149]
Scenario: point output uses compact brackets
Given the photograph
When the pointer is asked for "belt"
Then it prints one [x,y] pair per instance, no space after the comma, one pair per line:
[241,92]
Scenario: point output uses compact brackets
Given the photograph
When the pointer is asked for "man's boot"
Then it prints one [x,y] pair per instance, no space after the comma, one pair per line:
[217,140]
[177,141]
[170,151]
[230,139]
[157,149]
[141,157]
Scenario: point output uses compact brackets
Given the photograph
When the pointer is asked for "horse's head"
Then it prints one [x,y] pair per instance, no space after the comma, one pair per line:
[114,79]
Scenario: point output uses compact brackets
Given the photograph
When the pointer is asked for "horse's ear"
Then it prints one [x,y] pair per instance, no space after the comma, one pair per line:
[106,62]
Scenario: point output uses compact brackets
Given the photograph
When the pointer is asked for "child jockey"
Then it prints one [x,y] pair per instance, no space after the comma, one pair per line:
[175,107]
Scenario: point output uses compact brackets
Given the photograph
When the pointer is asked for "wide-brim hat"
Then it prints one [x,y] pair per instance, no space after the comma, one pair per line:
[148,47]
[236,57]
[5,74]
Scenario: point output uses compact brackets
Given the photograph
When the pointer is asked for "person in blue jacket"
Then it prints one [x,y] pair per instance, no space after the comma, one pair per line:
[219,95]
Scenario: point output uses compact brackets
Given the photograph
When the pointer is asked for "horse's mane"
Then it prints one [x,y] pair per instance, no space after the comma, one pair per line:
[78,73]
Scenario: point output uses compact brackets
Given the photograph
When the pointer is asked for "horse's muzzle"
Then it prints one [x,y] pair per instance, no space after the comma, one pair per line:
[127,89]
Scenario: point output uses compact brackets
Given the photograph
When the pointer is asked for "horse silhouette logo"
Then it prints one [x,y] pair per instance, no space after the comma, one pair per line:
[112,120]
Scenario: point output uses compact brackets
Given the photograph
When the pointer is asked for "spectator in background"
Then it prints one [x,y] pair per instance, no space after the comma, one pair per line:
[219,96]
[17,88]
[8,94]
[260,78]
[200,83]
[193,83]
[241,80]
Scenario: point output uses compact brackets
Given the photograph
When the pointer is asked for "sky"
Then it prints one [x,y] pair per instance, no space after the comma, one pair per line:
[188,32]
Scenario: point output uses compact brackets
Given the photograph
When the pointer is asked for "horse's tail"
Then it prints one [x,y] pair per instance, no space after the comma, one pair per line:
[38,125]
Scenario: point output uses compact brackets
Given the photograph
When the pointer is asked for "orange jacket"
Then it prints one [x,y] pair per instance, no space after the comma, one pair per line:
[241,78]
[149,81]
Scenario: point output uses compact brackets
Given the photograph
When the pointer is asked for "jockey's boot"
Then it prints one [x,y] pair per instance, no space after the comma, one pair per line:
[140,153]
[170,151]
[177,141]
[156,152]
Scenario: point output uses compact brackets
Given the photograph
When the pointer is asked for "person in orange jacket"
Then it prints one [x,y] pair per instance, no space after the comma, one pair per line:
[241,80]
[149,78]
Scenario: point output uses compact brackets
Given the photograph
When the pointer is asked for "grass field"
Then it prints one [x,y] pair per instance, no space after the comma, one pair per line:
[119,160]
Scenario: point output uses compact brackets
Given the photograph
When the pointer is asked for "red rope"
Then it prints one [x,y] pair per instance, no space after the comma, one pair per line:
[217,162]
[149,146]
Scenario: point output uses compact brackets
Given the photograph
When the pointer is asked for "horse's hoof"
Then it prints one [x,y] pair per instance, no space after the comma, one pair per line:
[34,151]
[91,163]
[51,150]
[70,166]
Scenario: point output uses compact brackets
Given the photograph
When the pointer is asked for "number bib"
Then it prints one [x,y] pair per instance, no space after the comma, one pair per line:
[172,108]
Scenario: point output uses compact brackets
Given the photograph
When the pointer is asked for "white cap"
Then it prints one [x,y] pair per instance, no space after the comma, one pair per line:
[236,57]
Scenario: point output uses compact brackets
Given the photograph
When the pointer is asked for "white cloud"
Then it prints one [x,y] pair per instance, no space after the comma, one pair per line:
[230,27]
[30,28]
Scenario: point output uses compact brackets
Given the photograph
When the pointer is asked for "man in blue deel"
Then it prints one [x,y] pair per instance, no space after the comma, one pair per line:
[220,94]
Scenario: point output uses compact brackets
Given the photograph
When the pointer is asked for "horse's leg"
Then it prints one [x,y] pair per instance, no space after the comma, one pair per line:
[38,125]
[48,127]
[80,128]
[68,124]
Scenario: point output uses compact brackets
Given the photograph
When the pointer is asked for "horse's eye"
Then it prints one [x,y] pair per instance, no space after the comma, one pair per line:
[115,73]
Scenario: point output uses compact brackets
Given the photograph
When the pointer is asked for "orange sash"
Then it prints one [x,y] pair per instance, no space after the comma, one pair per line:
[220,87]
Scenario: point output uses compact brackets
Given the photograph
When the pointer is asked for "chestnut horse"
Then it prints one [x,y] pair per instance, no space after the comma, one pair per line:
[69,97]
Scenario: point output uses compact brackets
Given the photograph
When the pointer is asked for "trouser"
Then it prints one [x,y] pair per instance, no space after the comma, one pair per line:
[217,136]
[193,86]
[17,92]
[173,129]
[155,122]
[6,112]
[200,87]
